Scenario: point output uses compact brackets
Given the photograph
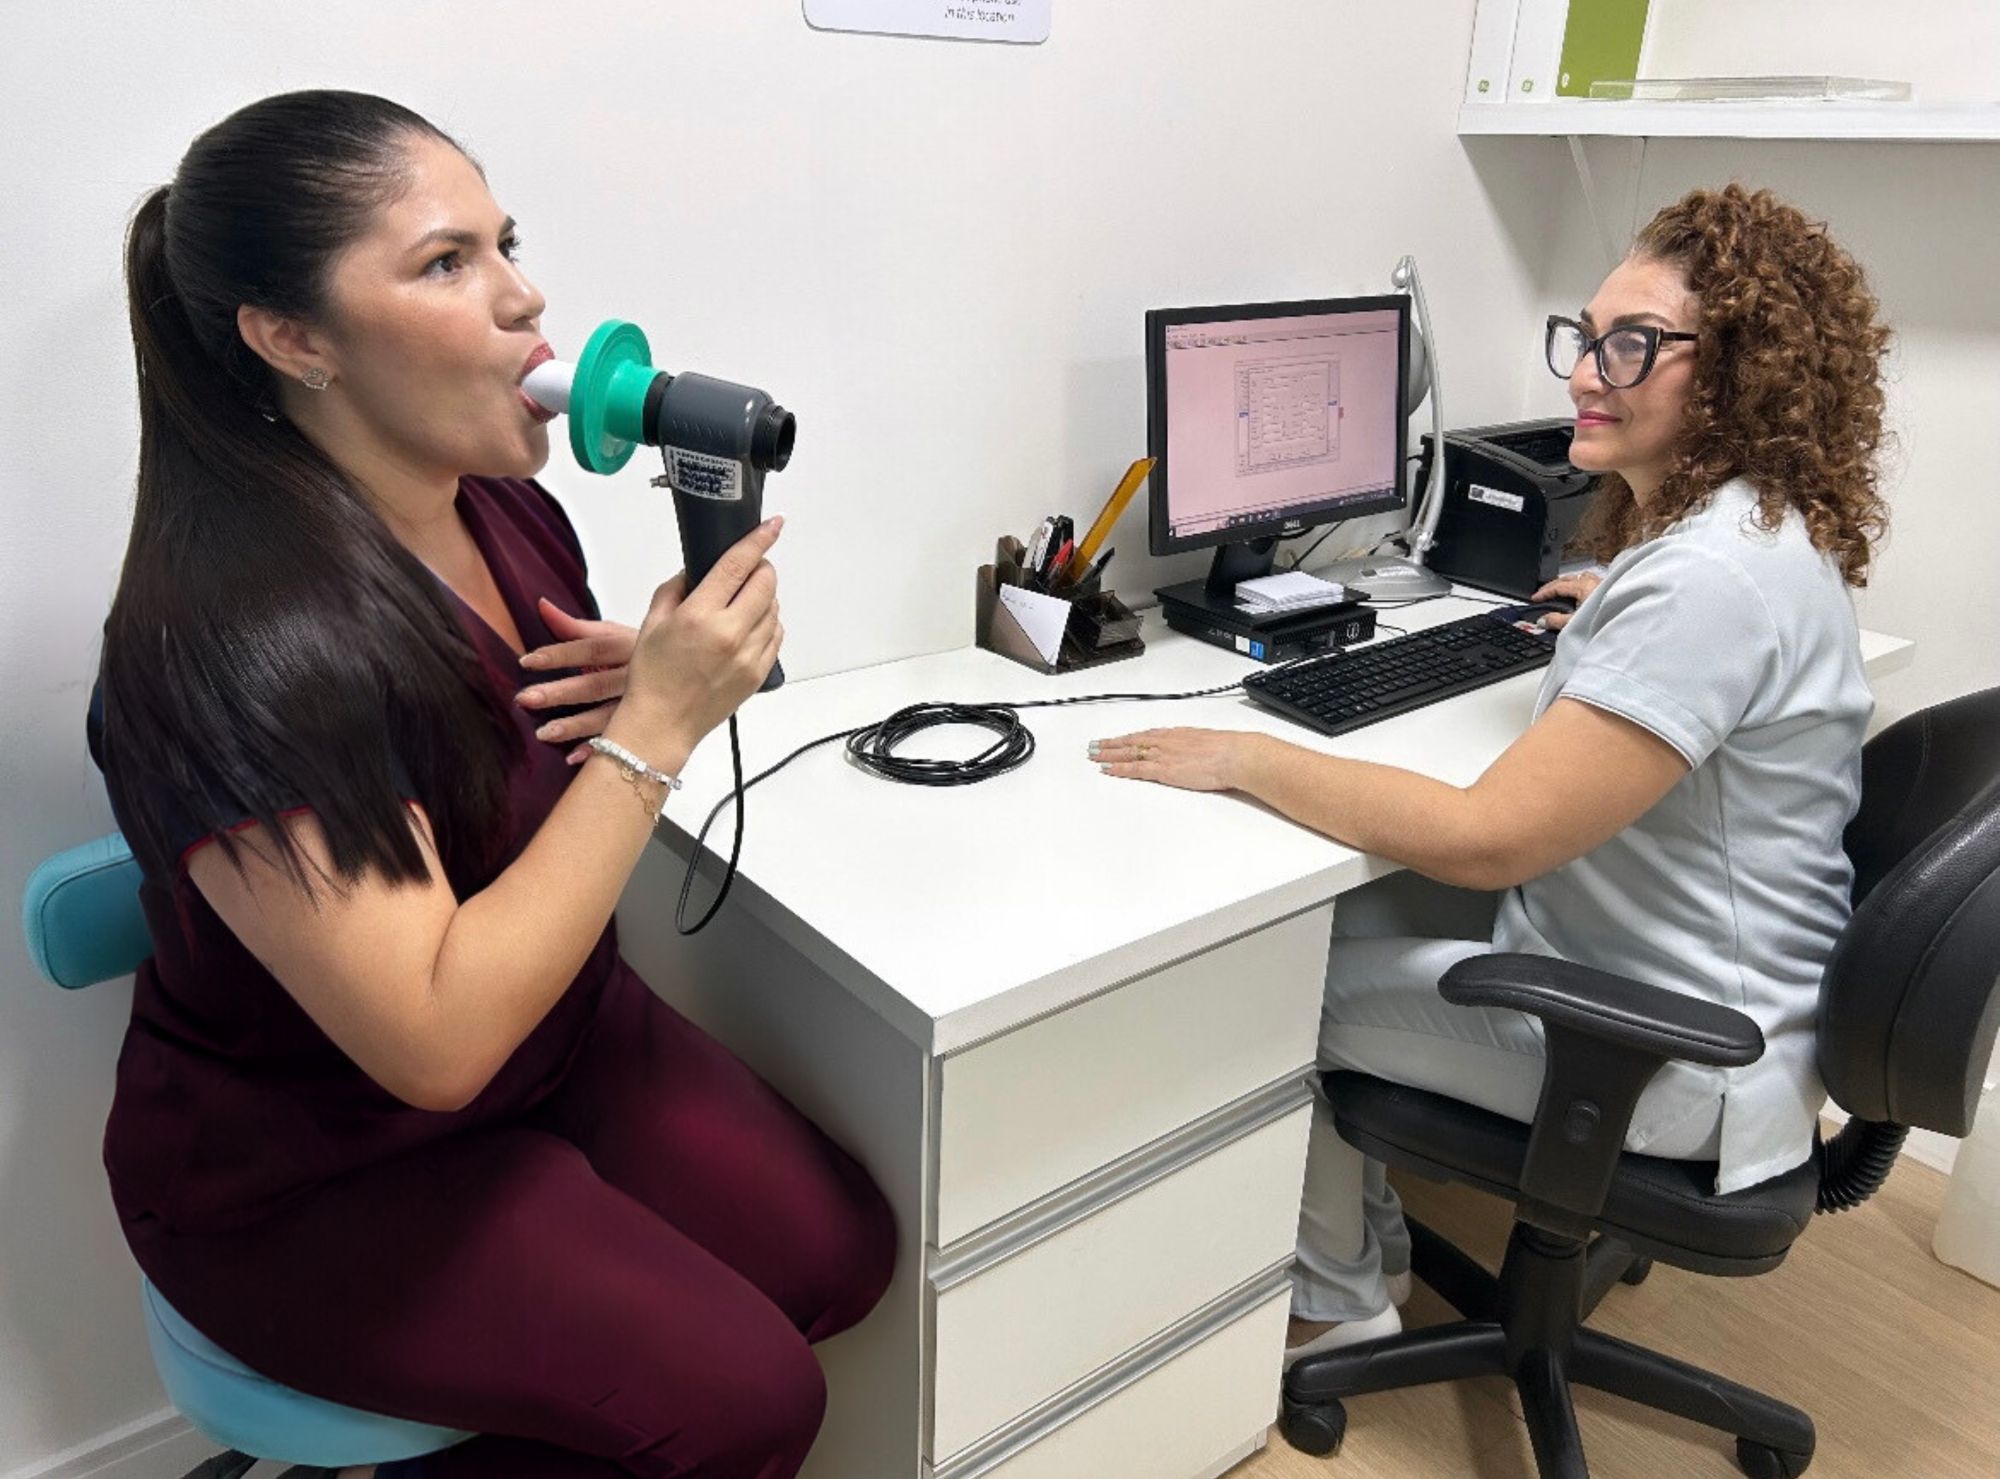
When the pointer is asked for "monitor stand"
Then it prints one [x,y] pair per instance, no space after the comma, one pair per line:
[1235,563]
[1214,599]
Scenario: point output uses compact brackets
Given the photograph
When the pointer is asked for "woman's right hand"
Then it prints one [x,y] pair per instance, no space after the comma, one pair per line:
[1576,587]
[700,653]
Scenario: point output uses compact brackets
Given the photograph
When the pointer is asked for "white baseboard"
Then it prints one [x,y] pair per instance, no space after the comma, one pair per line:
[161,1446]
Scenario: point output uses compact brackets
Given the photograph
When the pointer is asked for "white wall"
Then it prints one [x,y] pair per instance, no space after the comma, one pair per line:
[936,254]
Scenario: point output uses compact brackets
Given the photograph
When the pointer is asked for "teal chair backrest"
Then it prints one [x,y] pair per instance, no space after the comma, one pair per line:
[81,915]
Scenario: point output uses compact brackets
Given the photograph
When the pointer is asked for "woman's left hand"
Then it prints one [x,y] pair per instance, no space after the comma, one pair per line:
[1192,759]
[602,649]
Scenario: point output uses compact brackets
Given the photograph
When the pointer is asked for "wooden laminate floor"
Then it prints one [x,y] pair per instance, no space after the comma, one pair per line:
[1895,1355]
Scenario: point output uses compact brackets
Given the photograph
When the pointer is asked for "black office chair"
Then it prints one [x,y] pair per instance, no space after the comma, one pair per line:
[1907,1016]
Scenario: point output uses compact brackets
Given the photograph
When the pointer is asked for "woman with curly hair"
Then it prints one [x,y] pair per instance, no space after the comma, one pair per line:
[1675,812]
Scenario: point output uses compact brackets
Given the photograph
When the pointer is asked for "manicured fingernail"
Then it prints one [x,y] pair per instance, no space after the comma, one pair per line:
[533,660]
[577,756]
[529,698]
[1093,749]
[549,731]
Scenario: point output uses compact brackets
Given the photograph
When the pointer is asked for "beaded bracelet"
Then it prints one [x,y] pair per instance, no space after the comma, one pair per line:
[635,771]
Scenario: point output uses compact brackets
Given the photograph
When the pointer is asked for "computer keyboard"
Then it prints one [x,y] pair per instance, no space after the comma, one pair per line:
[1347,689]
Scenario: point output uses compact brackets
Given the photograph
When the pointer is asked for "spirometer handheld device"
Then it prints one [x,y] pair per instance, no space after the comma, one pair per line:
[717,439]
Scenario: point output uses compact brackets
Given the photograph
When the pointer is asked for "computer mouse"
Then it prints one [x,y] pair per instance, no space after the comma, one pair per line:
[1531,613]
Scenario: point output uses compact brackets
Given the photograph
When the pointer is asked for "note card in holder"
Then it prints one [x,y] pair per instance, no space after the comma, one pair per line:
[1080,627]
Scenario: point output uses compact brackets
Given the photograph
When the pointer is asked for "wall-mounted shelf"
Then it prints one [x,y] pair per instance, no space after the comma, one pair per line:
[1960,123]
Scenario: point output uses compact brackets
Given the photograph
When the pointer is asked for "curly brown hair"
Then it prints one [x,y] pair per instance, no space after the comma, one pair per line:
[1788,379]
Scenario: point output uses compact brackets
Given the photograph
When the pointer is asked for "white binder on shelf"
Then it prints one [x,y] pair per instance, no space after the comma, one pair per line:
[1538,44]
[1492,51]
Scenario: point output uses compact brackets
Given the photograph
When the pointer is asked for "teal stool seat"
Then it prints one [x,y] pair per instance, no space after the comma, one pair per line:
[253,1414]
[80,914]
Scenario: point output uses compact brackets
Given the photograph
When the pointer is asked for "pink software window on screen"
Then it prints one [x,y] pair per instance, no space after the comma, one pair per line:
[1271,416]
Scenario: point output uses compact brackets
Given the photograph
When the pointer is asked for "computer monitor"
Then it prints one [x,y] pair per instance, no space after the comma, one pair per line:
[1265,419]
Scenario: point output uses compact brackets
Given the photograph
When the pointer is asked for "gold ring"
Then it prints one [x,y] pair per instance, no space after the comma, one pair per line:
[1145,752]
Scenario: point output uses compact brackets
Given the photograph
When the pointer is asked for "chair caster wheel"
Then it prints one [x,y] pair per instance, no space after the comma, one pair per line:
[1636,1274]
[1314,1427]
[1760,1462]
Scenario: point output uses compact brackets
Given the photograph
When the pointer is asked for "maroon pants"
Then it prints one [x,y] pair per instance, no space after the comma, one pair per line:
[625,1283]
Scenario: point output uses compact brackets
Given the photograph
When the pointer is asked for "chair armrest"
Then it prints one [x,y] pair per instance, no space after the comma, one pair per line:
[1615,1009]
[1607,1037]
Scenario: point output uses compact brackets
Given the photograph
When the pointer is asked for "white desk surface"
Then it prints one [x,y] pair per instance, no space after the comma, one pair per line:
[959,913]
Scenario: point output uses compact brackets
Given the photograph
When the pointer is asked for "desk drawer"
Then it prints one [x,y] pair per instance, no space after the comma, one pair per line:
[1034,1110]
[1013,1333]
[1188,1411]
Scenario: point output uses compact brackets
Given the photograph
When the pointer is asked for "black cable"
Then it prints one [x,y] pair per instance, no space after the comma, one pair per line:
[735,849]
[1299,560]
[873,748]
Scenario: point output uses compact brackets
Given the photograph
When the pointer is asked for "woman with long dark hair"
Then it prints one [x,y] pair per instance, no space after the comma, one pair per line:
[394,1123]
[1675,812]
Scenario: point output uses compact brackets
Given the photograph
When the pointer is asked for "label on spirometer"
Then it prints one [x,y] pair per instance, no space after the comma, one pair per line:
[1512,502]
[1024,21]
[704,476]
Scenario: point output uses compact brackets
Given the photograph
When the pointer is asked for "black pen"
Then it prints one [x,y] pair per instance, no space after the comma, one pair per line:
[1096,572]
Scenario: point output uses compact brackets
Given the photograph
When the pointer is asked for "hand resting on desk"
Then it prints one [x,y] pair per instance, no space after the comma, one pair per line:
[1575,779]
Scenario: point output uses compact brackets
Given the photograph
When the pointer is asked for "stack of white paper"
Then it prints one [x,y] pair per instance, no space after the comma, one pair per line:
[1293,591]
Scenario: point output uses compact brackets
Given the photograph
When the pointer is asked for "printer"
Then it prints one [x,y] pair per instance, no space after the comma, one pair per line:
[1511,504]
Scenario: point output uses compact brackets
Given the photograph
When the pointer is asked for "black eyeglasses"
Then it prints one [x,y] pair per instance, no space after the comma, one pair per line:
[1625,355]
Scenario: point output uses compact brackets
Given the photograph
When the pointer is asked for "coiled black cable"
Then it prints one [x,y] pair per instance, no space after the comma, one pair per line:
[873,747]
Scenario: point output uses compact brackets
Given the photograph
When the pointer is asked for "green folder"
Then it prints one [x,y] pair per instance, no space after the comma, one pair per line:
[1600,44]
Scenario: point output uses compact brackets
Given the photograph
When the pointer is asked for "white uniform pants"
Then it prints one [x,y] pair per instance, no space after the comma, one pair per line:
[1383,1016]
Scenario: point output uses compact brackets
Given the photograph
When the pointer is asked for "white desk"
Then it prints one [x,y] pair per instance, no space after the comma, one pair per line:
[1066,1022]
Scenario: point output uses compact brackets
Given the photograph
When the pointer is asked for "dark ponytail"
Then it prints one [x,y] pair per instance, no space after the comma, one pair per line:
[272,645]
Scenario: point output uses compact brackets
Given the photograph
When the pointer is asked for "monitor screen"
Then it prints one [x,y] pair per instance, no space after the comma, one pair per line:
[1269,417]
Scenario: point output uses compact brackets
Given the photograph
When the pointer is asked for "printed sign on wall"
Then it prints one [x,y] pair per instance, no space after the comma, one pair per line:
[964,20]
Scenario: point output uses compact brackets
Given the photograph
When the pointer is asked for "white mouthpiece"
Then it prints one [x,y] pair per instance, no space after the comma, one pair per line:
[548,384]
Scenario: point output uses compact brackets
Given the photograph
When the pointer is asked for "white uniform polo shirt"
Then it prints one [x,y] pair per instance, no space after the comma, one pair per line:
[1737,646]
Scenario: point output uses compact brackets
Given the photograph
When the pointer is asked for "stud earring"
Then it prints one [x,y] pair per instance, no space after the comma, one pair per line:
[316,379]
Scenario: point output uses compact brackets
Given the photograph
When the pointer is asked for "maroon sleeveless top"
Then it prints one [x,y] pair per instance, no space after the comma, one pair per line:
[229,1099]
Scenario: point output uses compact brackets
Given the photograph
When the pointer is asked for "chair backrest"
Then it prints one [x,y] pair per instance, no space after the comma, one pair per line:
[81,917]
[1909,1007]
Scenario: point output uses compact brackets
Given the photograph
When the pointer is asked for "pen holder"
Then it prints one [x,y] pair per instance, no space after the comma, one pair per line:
[1097,627]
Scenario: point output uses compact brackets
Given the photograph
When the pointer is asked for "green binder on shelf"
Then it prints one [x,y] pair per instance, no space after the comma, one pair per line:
[1601,43]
